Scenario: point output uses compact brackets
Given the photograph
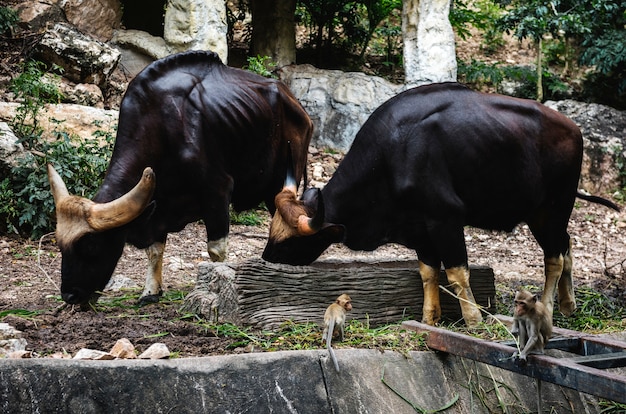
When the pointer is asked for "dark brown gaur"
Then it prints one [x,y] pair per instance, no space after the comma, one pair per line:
[197,136]
[430,161]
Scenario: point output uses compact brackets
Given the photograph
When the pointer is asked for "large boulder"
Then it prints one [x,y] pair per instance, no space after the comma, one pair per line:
[604,142]
[97,17]
[337,102]
[83,59]
[76,120]
[196,25]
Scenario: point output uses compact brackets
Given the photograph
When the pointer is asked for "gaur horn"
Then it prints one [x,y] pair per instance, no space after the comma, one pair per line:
[116,213]
[57,186]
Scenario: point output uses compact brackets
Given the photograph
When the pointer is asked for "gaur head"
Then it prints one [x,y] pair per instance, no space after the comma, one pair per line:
[298,233]
[90,235]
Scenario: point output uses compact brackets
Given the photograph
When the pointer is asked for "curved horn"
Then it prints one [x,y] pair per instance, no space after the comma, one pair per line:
[57,186]
[116,213]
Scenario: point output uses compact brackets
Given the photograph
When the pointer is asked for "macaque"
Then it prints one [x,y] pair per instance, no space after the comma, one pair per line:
[334,320]
[532,323]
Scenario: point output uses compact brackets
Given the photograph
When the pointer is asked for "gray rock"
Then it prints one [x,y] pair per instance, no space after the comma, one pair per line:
[83,59]
[337,102]
[196,25]
[604,143]
[11,151]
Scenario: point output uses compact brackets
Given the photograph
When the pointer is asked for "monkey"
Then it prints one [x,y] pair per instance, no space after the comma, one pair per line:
[532,323]
[334,320]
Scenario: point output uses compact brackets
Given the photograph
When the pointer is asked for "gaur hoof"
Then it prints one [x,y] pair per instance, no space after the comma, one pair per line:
[149,299]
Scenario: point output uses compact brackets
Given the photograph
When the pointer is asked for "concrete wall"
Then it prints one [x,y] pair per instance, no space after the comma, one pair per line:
[276,382]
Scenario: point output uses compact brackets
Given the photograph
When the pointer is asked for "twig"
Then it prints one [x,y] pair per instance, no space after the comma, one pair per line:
[39,261]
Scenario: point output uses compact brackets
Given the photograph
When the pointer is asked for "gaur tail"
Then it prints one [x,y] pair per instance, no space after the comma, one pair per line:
[598,200]
[329,338]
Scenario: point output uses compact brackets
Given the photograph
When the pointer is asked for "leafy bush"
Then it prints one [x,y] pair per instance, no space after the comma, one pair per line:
[480,74]
[33,92]
[8,19]
[26,205]
[262,65]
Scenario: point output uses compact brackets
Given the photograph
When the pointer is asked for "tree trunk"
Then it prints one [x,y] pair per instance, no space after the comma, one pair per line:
[265,295]
[274,30]
[539,72]
[428,41]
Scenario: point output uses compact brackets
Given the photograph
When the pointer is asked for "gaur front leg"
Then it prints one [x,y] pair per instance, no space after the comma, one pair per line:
[153,288]
[217,225]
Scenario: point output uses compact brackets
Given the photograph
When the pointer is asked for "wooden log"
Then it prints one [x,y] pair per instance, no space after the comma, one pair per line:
[264,295]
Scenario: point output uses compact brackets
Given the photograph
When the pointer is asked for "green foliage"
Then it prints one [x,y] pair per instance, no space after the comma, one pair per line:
[248,217]
[26,203]
[347,25]
[8,19]
[262,65]
[481,14]
[479,74]
[595,312]
[33,92]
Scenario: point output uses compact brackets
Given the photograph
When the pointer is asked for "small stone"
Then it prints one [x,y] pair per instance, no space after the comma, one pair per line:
[20,354]
[156,351]
[93,354]
[124,349]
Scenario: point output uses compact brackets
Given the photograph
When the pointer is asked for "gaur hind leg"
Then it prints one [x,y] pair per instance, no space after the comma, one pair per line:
[567,301]
[431,309]
[459,277]
[556,245]
[153,288]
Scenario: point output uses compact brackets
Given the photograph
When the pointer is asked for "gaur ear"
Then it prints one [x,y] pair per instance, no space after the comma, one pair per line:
[314,203]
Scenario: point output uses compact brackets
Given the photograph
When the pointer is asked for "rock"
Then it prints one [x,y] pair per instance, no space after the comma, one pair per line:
[119,282]
[76,120]
[156,351]
[124,349]
[83,59]
[11,151]
[604,143]
[337,102]
[10,340]
[196,25]
[142,42]
[97,17]
[8,332]
[22,354]
[36,15]
[93,354]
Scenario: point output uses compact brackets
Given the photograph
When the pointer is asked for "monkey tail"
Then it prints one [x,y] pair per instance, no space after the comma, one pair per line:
[329,338]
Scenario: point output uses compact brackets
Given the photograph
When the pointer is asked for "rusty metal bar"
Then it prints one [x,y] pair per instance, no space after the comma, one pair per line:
[560,371]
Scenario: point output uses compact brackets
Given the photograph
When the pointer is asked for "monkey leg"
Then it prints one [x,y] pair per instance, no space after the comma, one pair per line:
[567,301]
[431,310]
[153,288]
[459,279]
[553,271]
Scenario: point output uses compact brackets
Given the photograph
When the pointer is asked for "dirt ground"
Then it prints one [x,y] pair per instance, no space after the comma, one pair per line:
[30,280]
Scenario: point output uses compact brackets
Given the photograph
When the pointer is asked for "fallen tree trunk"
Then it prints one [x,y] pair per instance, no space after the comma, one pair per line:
[264,295]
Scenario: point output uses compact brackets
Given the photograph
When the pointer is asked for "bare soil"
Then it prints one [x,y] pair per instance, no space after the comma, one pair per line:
[30,280]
